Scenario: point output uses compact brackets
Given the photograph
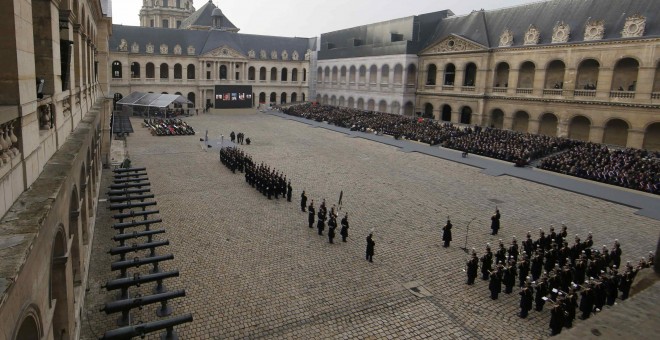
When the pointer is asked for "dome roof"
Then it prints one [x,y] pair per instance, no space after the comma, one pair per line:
[217,13]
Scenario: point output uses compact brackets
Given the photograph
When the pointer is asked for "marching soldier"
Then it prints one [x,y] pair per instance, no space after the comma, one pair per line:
[587,301]
[509,276]
[523,269]
[557,317]
[332,225]
[615,255]
[537,265]
[541,292]
[528,244]
[571,304]
[513,249]
[472,267]
[289,192]
[495,284]
[320,224]
[495,222]
[500,255]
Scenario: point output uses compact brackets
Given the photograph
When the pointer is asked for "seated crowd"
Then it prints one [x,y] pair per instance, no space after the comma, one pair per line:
[630,168]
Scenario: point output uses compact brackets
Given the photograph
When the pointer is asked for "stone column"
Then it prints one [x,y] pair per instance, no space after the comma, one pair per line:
[644,85]
[539,82]
[458,78]
[455,116]
[514,74]
[596,134]
[507,122]
[604,83]
[635,138]
[533,126]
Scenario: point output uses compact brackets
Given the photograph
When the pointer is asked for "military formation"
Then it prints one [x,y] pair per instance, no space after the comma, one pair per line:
[550,270]
[270,182]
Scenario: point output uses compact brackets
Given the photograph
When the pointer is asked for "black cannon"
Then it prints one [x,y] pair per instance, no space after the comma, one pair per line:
[129,185]
[128,198]
[126,170]
[132,213]
[128,192]
[137,279]
[122,206]
[147,233]
[124,306]
[130,174]
[123,225]
[123,250]
[130,180]
[140,330]
[137,262]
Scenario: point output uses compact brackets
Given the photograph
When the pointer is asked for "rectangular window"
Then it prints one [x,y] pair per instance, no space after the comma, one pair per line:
[165,3]
[166,23]
[208,74]
[178,24]
[151,23]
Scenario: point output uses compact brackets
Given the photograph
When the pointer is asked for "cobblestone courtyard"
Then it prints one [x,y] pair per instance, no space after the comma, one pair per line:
[252,269]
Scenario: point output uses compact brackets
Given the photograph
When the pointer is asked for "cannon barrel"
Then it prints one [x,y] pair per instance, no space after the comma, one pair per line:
[129,198]
[132,224]
[136,234]
[129,185]
[136,262]
[134,214]
[138,279]
[127,192]
[130,180]
[125,170]
[122,206]
[122,305]
[137,247]
[144,328]
[130,174]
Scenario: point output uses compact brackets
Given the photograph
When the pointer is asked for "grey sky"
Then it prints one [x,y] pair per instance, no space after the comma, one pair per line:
[309,18]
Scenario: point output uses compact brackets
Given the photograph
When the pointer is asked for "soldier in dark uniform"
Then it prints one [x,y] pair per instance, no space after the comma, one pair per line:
[537,265]
[571,305]
[528,244]
[564,233]
[523,269]
[472,267]
[332,225]
[232,136]
[311,214]
[557,318]
[495,222]
[289,192]
[513,249]
[541,292]
[446,233]
[344,228]
[486,263]
[526,298]
[500,255]
[612,286]
[303,201]
[587,301]
[553,234]
[370,248]
[320,223]
[495,285]
[509,276]
[615,255]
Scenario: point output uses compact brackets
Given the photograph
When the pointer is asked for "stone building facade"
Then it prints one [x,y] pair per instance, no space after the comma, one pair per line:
[587,70]
[206,52]
[53,116]
[165,13]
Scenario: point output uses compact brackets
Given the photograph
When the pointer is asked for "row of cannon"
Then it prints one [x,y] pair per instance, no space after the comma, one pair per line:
[131,196]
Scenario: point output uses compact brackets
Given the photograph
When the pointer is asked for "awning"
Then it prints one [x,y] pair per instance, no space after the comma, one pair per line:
[152,99]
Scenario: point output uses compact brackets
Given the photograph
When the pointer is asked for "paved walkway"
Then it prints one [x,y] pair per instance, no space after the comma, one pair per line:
[648,204]
[252,269]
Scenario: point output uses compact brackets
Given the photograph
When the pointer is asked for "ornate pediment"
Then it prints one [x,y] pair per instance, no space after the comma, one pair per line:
[225,52]
[506,38]
[532,36]
[561,33]
[634,26]
[594,30]
[453,44]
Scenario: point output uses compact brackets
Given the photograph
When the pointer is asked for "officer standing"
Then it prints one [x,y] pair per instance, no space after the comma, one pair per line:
[370,248]
[311,214]
[289,192]
[446,233]
[495,222]
[526,298]
[486,263]
[344,228]
[303,201]
[472,267]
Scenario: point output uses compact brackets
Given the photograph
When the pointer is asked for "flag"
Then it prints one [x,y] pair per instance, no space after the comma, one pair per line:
[341,195]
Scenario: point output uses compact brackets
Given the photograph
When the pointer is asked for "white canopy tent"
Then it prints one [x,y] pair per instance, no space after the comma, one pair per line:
[155,100]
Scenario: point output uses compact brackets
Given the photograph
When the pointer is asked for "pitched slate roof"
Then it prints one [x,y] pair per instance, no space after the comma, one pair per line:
[206,41]
[376,39]
[203,17]
[485,27]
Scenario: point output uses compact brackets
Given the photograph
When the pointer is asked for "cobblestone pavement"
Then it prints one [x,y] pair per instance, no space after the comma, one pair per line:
[252,269]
